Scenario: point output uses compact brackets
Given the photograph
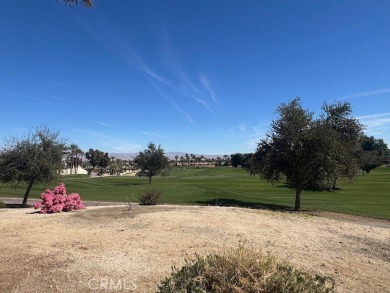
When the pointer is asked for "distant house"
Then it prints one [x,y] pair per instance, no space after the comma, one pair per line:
[72,165]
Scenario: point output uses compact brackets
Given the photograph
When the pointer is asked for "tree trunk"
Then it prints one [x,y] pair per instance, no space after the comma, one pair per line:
[334,183]
[28,191]
[77,164]
[298,192]
[150,179]
[71,163]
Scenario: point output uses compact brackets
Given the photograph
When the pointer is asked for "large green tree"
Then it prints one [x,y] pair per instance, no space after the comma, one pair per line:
[242,160]
[36,158]
[236,159]
[97,158]
[374,153]
[152,161]
[299,149]
[346,135]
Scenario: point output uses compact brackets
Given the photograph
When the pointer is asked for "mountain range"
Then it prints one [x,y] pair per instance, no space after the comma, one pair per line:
[170,155]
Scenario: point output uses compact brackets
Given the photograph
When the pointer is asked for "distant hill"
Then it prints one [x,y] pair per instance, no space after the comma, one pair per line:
[170,155]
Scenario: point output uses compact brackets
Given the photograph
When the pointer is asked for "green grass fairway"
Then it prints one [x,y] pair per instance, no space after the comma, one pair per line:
[368,196]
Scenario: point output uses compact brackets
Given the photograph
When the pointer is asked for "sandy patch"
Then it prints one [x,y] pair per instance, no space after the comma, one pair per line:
[75,252]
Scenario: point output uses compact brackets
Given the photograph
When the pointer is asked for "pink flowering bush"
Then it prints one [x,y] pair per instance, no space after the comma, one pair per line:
[56,200]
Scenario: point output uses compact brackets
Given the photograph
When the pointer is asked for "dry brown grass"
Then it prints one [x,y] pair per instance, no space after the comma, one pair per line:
[62,252]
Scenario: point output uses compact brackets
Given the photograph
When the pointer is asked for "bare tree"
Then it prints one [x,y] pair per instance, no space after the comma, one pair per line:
[87,3]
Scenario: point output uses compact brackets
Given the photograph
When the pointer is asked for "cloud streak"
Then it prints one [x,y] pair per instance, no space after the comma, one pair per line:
[115,144]
[374,116]
[105,124]
[182,86]
[258,132]
[167,76]
[376,124]
[40,79]
[206,85]
[153,134]
[251,135]
[368,93]
[25,96]
[172,102]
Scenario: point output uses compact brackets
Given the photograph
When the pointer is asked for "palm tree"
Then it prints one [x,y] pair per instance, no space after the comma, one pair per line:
[68,157]
[225,158]
[72,149]
[176,158]
[75,151]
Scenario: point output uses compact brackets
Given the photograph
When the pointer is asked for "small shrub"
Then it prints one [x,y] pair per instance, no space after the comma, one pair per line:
[2,205]
[150,196]
[243,270]
[56,200]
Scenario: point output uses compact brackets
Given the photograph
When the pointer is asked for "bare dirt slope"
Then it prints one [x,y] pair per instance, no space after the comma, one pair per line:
[91,250]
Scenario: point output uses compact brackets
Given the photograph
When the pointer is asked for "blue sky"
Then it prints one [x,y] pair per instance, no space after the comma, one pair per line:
[194,76]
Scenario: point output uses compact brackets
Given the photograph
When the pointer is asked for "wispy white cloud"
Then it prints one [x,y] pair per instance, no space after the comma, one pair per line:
[40,79]
[177,84]
[172,102]
[95,33]
[186,84]
[153,134]
[257,133]
[114,144]
[151,73]
[242,127]
[192,90]
[368,93]
[19,129]
[204,104]
[181,84]
[154,79]
[376,124]
[251,135]
[52,97]
[105,124]
[168,77]
[206,84]
[25,96]
[374,116]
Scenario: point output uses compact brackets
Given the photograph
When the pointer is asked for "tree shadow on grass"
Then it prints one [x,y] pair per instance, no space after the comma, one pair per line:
[228,202]
[312,189]
[127,184]
[17,206]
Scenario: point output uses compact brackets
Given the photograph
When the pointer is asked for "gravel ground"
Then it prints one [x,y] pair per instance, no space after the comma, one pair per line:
[110,249]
